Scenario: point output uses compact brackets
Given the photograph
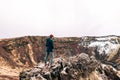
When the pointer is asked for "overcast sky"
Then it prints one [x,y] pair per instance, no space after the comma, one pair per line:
[59,17]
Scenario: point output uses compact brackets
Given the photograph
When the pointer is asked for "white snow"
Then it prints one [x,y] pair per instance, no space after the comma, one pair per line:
[106,38]
[104,46]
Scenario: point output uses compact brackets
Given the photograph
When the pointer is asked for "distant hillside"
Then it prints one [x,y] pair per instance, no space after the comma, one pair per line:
[30,50]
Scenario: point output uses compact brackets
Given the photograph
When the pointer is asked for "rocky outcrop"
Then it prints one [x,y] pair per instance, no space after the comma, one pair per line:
[79,67]
[106,49]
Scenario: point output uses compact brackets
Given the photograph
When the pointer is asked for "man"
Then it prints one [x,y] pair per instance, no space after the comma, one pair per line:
[49,50]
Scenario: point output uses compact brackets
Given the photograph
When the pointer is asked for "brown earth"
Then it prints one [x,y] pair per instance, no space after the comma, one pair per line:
[20,53]
[7,77]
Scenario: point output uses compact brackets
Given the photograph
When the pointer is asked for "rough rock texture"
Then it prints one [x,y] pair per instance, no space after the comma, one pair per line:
[79,67]
[106,49]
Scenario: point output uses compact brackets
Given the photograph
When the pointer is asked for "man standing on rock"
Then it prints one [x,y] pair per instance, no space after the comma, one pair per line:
[49,50]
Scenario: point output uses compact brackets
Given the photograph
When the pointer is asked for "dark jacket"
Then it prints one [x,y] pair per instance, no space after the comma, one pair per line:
[49,45]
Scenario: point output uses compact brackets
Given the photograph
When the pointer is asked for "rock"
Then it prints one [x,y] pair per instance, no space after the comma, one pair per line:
[79,66]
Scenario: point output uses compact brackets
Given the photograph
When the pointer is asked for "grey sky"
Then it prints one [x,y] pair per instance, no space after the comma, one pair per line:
[59,17]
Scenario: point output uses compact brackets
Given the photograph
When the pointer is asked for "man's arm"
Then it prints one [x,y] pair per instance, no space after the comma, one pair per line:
[52,44]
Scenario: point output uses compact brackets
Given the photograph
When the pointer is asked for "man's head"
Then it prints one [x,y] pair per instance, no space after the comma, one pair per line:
[51,36]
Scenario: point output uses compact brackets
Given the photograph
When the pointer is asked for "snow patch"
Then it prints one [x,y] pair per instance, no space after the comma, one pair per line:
[104,46]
